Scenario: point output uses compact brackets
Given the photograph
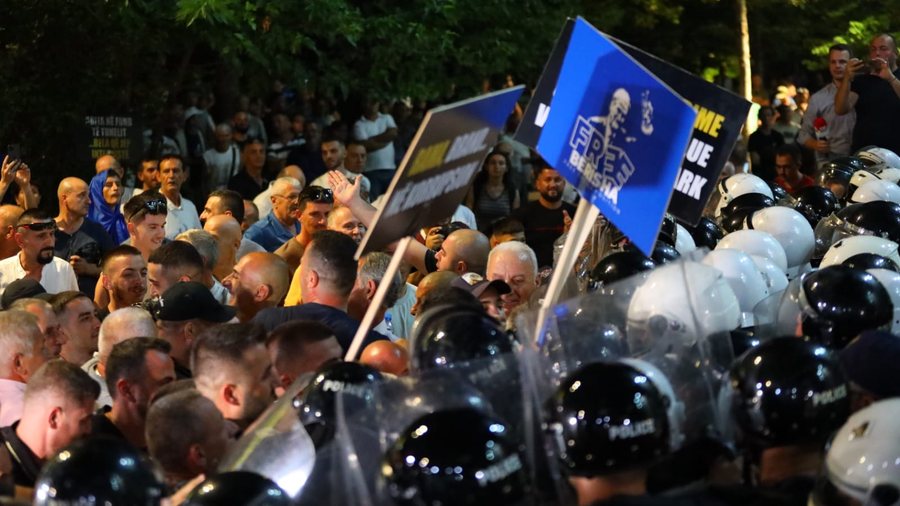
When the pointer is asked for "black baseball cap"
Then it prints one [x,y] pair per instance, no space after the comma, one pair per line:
[476,284]
[22,289]
[189,300]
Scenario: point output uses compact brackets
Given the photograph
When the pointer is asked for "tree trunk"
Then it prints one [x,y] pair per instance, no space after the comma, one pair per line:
[746,71]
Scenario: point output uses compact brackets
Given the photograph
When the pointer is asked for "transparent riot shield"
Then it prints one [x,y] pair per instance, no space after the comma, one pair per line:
[276,446]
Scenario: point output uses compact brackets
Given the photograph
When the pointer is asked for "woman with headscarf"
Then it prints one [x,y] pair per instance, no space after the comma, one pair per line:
[106,191]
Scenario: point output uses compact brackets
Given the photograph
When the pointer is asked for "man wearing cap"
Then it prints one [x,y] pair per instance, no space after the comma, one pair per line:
[34,234]
[870,363]
[25,288]
[185,310]
[281,224]
[487,292]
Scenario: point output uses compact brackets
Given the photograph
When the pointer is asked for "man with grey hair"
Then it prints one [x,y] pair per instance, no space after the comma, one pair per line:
[48,323]
[120,325]
[59,400]
[206,245]
[281,225]
[263,200]
[516,264]
[186,434]
[371,271]
[20,357]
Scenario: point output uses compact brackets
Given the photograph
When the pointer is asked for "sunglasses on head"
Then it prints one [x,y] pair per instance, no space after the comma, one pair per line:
[154,206]
[38,227]
[317,194]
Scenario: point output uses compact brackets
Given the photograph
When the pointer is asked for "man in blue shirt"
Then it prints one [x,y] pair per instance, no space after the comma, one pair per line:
[281,224]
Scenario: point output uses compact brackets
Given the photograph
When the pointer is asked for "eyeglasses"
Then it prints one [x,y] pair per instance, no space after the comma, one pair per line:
[292,197]
[155,206]
[317,194]
[38,227]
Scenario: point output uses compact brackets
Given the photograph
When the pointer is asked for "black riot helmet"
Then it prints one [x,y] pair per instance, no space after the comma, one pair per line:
[743,205]
[606,418]
[617,266]
[879,218]
[663,253]
[815,203]
[460,457]
[836,174]
[238,487]
[316,407]
[446,335]
[866,261]
[840,302]
[744,339]
[788,391]
[706,233]
[779,194]
[98,470]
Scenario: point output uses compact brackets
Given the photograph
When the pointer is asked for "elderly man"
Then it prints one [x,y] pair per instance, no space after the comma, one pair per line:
[372,268]
[281,224]
[34,234]
[120,325]
[182,212]
[516,264]
[263,201]
[20,356]
[258,281]
[53,336]
[78,239]
[341,219]
[208,248]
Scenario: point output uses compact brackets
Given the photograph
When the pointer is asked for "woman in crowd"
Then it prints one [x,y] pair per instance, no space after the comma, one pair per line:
[493,194]
[106,192]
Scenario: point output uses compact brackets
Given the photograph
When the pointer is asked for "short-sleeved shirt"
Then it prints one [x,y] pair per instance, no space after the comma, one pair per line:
[365,129]
[877,112]
[90,242]
[270,233]
[181,218]
[57,276]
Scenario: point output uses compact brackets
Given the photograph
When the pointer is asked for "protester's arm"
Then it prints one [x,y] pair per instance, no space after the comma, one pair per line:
[885,73]
[23,179]
[8,174]
[348,195]
[842,97]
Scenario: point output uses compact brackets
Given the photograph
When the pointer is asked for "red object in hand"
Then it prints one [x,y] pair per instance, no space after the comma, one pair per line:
[819,123]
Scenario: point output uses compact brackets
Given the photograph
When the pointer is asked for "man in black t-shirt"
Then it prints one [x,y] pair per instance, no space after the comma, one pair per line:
[548,217]
[78,239]
[876,83]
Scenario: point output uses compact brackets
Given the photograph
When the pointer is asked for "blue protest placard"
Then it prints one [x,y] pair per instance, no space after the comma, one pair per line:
[439,166]
[617,133]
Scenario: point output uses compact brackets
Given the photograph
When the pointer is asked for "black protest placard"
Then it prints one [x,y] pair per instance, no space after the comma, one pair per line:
[720,117]
[529,131]
[439,166]
[118,135]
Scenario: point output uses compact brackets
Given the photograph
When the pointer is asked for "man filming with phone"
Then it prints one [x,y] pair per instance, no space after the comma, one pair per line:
[876,84]
[14,170]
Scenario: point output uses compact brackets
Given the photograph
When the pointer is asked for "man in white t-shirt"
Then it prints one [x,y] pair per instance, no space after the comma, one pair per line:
[34,233]
[223,160]
[377,132]
[182,214]
[334,153]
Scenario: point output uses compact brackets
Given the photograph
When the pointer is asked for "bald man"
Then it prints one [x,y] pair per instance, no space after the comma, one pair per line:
[78,239]
[341,219]
[434,281]
[257,282]
[9,215]
[386,356]
[227,232]
[109,162]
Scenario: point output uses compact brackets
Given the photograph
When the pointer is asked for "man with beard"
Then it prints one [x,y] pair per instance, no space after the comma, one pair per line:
[79,240]
[333,154]
[34,234]
[546,218]
[281,224]
[135,370]
[257,282]
[315,204]
[78,316]
[123,277]
[232,369]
